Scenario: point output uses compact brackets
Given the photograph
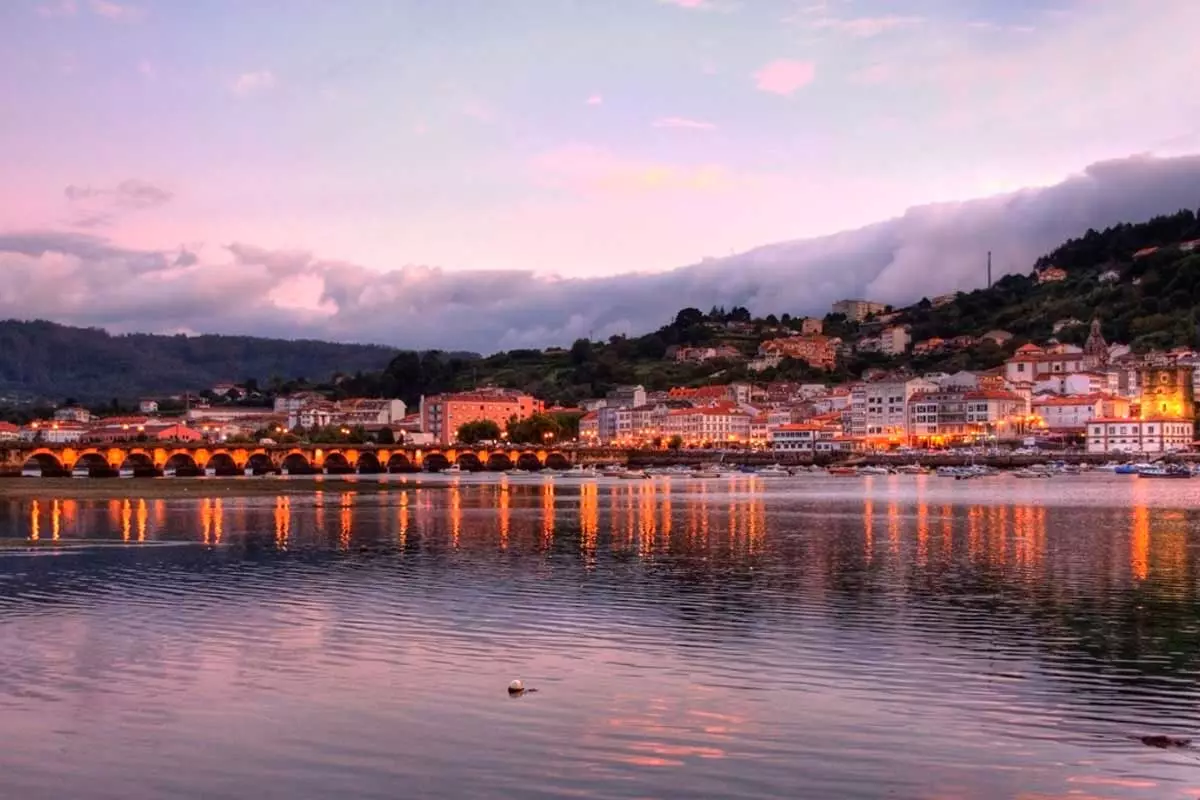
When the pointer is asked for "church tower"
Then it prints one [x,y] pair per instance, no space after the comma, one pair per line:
[1167,392]
[1095,350]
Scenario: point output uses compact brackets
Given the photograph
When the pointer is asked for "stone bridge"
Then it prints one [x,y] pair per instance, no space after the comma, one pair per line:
[155,458]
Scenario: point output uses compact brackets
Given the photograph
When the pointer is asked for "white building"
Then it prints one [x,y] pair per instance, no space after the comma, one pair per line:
[148,406]
[73,414]
[1072,413]
[52,432]
[626,396]
[716,425]
[895,340]
[798,438]
[1138,436]
[879,410]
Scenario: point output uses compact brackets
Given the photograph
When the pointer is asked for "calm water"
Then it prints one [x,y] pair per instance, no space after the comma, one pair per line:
[828,638]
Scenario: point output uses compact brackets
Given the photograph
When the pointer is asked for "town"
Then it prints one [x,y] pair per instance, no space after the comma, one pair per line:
[1098,398]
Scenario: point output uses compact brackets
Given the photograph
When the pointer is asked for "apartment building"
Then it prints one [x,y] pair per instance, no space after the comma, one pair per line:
[442,415]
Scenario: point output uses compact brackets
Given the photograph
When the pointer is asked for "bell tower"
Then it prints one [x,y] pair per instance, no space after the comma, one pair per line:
[1095,350]
[1167,392]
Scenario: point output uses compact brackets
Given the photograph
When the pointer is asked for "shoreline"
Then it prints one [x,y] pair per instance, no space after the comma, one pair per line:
[184,488]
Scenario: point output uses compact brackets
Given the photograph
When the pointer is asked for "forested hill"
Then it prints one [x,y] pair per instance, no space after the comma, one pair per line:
[1141,280]
[47,360]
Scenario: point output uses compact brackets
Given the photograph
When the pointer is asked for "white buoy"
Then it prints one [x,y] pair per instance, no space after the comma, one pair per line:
[516,687]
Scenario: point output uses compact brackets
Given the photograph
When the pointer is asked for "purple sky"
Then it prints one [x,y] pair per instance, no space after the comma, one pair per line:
[292,164]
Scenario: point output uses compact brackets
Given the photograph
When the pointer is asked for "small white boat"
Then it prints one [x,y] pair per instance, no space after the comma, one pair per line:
[81,472]
[125,472]
[911,469]
[632,475]
[31,472]
[874,471]
[1032,473]
[453,469]
[774,471]
[614,471]
[704,473]
[581,471]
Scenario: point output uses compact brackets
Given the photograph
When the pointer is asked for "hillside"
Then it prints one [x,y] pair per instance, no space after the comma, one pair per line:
[46,360]
[1151,302]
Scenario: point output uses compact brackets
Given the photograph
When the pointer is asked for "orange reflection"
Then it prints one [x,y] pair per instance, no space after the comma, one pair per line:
[205,521]
[55,519]
[547,514]
[868,529]
[505,516]
[346,519]
[283,521]
[589,520]
[402,534]
[893,513]
[922,528]
[126,519]
[455,515]
[143,514]
[35,513]
[1139,543]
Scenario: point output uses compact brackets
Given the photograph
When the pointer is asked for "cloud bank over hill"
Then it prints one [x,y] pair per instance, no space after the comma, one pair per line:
[238,288]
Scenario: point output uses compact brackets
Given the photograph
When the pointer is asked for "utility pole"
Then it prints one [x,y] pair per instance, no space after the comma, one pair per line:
[989,269]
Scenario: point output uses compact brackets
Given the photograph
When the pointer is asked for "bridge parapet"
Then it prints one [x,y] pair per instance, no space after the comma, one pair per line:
[160,456]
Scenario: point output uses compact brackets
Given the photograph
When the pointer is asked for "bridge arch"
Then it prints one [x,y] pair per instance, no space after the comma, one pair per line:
[435,462]
[557,461]
[222,463]
[529,461]
[140,462]
[368,464]
[95,463]
[468,461]
[336,463]
[296,463]
[181,464]
[399,462]
[259,463]
[45,462]
[499,462]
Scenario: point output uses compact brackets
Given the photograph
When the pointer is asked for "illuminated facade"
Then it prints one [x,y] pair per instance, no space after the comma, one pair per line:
[1167,392]
[442,415]
[1138,435]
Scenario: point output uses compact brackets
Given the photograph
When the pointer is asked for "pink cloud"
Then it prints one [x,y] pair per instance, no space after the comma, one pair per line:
[683,122]
[784,76]
[866,27]
[686,3]
[59,8]
[111,10]
[249,83]
[595,100]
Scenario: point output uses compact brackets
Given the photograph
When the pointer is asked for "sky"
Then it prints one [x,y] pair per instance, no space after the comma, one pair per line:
[498,173]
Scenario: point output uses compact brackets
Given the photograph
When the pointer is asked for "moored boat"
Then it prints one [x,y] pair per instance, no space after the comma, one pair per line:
[874,471]
[632,475]
[774,471]
[843,472]
[1167,471]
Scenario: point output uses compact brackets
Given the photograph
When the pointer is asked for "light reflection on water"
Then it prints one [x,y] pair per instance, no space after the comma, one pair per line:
[903,637]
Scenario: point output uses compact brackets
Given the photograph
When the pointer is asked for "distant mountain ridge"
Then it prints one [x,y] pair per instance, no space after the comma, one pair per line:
[46,360]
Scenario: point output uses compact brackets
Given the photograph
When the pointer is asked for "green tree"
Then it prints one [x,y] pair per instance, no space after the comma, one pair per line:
[478,431]
[675,442]
[581,351]
[535,429]
[385,436]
